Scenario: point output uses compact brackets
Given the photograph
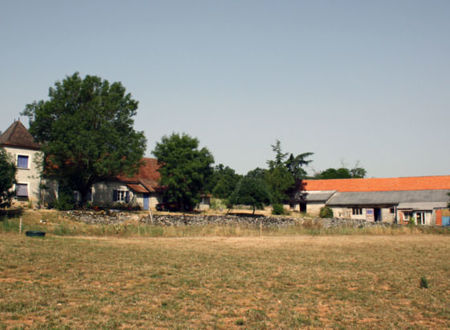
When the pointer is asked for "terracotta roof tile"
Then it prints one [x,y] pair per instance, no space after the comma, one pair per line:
[18,136]
[148,175]
[137,188]
[380,184]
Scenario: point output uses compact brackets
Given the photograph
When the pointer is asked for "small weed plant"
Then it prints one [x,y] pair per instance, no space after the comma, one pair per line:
[423,282]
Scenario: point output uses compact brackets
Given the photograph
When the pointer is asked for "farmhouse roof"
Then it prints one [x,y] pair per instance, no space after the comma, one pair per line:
[388,197]
[380,184]
[18,136]
[147,178]
[315,196]
[422,206]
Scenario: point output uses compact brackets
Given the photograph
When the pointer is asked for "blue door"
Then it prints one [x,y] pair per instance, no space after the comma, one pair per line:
[146,201]
[445,221]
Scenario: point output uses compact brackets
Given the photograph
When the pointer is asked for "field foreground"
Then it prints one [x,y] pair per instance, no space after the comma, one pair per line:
[269,282]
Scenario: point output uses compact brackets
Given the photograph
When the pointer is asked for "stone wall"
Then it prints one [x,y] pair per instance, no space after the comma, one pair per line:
[114,217]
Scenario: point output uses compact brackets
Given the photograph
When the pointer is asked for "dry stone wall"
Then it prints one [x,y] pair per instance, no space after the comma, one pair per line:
[115,217]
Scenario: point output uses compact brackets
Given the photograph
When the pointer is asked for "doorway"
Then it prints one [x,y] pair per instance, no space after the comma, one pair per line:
[377,214]
[303,207]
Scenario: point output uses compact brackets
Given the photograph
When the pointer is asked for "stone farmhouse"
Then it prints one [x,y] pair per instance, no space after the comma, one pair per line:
[379,199]
[374,199]
[22,148]
[141,190]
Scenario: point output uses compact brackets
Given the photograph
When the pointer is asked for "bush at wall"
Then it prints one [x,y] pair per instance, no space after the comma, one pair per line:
[326,212]
[278,209]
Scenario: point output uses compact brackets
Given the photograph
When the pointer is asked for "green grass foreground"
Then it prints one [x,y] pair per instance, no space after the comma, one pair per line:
[352,281]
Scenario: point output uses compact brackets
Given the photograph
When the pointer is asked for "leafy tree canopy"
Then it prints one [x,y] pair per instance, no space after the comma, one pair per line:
[223,181]
[257,173]
[341,173]
[185,169]
[7,178]
[86,131]
[251,191]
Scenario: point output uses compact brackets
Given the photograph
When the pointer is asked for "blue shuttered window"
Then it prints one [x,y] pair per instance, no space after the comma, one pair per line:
[22,161]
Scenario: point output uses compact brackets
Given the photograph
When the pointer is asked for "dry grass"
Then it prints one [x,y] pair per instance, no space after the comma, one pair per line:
[219,282]
[57,224]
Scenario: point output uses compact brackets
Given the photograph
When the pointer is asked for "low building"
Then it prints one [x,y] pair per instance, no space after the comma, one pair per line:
[25,152]
[141,190]
[378,199]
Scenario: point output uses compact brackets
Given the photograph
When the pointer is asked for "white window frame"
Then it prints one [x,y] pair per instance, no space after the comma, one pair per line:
[121,195]
[357,211]
[420,217]
[28,162]
[407,215]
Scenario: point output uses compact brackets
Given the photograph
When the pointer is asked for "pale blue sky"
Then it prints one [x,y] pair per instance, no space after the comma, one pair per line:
[365,81]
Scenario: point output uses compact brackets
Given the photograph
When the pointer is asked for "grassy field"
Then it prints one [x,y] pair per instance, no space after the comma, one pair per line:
[57,223]
[353,281]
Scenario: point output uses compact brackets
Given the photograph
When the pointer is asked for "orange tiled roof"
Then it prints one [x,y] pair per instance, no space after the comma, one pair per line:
[380,184]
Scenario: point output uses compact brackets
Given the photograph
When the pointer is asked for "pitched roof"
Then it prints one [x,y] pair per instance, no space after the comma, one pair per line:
[18,136]
[314,196]
[147,176]
[137,188]
[388,197]
[380,184]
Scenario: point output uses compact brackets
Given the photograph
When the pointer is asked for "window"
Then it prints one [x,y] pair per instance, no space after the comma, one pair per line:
[21,190]
[22,161]
[391,210]
[357,211]
[121,196]
[420,218]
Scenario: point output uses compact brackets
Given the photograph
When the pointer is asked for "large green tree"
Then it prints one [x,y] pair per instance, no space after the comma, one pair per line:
[7,178]
[251,191]
[223,181]
[185,169]
[86,131]
[284,173]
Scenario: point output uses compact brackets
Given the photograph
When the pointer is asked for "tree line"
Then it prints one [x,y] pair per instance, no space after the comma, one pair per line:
[86,130]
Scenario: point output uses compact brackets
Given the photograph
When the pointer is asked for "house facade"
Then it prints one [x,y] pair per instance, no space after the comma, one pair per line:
[140,190]
[394,200]
[25,152]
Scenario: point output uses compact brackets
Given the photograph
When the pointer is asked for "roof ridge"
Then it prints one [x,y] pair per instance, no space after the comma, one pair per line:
[17,135]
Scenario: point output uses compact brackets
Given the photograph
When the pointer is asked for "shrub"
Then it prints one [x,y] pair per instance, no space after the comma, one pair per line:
[278,209]
[64,202]
[326,212]
[424,282]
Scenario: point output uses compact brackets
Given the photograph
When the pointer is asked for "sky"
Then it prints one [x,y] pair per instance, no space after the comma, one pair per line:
[354,82]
